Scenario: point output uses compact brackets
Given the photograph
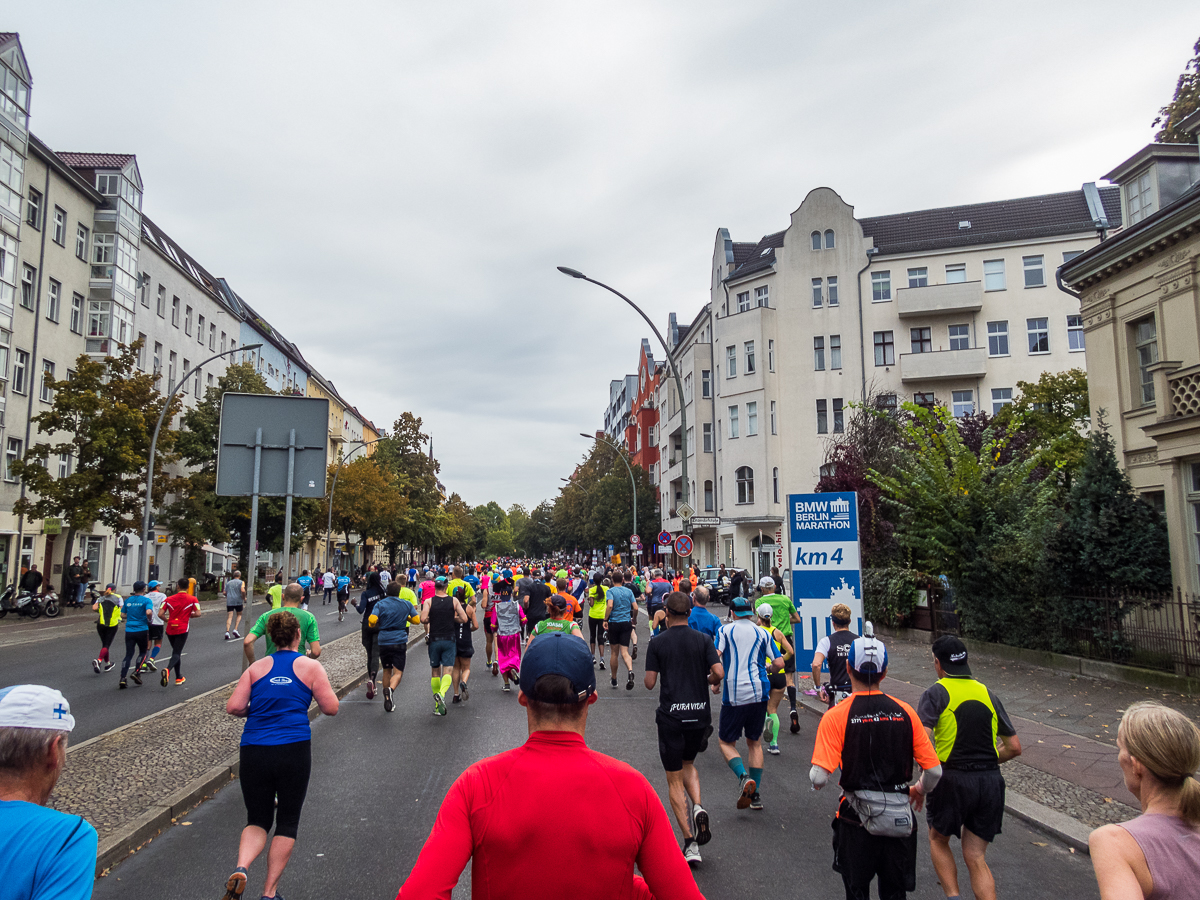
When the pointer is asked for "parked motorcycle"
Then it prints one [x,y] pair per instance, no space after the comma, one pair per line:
[28,604]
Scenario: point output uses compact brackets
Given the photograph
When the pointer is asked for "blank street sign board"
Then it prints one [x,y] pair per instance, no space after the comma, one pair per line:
[242,415]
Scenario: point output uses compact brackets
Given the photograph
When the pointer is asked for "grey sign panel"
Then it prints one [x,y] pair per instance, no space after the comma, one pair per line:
[242,415]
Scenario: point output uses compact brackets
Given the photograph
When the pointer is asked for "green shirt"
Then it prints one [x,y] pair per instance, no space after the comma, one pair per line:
[275,596]
[308,628]
[781,612]
[554,626]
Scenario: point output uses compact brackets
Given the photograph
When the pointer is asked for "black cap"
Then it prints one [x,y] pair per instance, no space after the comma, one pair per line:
[952,654]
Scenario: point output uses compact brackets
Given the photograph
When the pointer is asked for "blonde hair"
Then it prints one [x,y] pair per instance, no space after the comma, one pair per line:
[1167,743]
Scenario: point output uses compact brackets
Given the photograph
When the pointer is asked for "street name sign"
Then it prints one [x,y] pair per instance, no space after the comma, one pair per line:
[705,521]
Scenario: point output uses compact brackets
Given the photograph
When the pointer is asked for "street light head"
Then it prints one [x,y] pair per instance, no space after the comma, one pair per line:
[574,273]
[584,434]
[251,346]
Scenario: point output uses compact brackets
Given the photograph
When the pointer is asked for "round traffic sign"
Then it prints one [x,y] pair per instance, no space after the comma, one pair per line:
[634,540]
[683,545]
[664,538]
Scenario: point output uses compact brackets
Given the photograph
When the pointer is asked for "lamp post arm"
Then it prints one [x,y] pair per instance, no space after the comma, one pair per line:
[632,480]
[333,487]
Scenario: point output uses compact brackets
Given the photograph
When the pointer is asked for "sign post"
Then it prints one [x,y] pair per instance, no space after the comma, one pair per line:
[826,568]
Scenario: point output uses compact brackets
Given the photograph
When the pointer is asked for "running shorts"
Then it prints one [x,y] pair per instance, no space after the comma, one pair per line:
[789,664]
[860,856]
[619,632]
[441,653]
[464,649]
[738,720]
[156,632]
[679,745]
[965,799]
[393,656]
[275,771]
[237,608]
[595,630]
[778,681]
[488,627]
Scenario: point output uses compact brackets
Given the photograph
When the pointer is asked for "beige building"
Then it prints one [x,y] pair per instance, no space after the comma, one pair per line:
[1141,311]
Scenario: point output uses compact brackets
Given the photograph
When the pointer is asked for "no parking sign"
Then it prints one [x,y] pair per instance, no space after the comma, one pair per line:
[683,545]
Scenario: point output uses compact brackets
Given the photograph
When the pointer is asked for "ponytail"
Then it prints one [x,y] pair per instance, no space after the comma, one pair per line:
[1167,744]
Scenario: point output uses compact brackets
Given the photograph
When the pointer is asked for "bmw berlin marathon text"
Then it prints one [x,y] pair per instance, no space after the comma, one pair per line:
[826,568]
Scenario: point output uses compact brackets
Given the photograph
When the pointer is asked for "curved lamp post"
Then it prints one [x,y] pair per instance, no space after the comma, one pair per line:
[632,481]
[333,487]
[574,273]
[144,562]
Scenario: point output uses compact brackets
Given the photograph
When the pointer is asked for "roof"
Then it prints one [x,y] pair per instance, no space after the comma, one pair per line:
[157,238]
[759,256]
[38,146]
[1147,153]
[6,36]
[96,160]
[1026,218]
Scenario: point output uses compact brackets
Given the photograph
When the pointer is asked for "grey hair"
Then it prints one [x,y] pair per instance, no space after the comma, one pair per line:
[21,749]
[700,594]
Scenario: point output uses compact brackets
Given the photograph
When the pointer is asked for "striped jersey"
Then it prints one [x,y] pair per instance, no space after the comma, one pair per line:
[745,653]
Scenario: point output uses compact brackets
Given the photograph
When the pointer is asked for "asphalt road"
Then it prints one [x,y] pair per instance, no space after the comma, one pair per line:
[378,779]
[59,652]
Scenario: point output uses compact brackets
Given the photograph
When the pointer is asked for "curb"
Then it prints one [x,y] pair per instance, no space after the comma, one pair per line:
[1057,824]
[130,837]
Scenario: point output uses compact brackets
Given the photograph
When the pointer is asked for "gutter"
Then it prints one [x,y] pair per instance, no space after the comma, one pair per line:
[862,337]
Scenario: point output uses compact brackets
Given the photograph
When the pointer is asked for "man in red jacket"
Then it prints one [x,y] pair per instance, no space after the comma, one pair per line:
[489,813]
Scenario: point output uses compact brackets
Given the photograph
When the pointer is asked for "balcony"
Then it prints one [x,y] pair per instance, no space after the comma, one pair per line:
[939,299]
[943,365]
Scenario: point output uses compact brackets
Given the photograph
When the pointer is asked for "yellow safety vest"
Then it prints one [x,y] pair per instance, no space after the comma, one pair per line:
[113,619]
[969,705]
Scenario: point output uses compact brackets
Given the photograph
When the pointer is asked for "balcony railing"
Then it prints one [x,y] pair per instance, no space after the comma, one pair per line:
[941,365]
[939,299]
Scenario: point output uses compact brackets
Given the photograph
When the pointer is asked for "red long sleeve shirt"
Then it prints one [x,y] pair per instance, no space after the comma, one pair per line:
[552,818]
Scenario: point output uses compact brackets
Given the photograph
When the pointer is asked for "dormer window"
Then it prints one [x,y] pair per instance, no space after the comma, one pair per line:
[1139,198]
[108,184]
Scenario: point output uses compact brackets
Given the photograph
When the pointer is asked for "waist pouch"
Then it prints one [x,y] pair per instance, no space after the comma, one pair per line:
[883,813]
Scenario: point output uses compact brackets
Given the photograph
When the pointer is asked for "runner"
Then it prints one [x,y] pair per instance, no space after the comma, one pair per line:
[343,589]
[109,608]
[835,648]
[620,608]
[180,608]
[464,649]
[597,611]
[689,664]
[273,695]
[510,617]
[235,600]
[783,615]
[306,582]
[385,577]
[371,595]
[486,610]
[293,596]
[328,586]
[521,592]
[387,619]
[275,592]
[780,646]
[560,622]
[747,659]
[137,612]
[534,602]
[700,618]
[440,613]
[156,598]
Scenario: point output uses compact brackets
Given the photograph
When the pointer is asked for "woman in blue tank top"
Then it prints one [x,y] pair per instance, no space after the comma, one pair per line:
[273,695]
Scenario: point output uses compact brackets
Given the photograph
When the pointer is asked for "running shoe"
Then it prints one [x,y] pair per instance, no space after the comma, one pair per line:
[614,683]
[439,705]
[748,787]
[629,683]
[227,637]
[515,676]
[235,884]
[506,688]
[370,690]
[594,661]
[236,633]
[462,689]
[691,853]
[755,801]
[122,685]
[341,616]
[495,669]
[96,666]
[602,665]
[773,749]
[457,699]
[388,705]
[109,666]
[165,677]
[700,825]
[795,722]
[180,680]
[137,679]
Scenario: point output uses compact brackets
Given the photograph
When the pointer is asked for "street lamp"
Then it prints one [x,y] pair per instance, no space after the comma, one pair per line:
[632,482]
[575,273]
[333,487]
[144,561]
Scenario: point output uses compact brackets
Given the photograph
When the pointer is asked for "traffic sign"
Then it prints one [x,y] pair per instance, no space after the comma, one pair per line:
[664,538]
[683,545]
[634,540]
[685,512]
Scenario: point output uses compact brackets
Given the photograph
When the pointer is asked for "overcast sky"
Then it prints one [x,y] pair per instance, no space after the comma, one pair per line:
[392,184]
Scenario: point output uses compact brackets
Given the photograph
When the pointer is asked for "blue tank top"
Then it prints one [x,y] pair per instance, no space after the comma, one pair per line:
[279,704]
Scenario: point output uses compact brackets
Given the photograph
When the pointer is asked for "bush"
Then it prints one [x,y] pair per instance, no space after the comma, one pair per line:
[891,594]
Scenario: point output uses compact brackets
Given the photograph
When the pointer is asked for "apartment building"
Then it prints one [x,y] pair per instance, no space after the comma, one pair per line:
[948,306]
[640,438]
[621,392]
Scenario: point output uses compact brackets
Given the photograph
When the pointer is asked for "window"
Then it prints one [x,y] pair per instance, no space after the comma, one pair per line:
[175,311]
[212,342]
[822,417]
[20,371]
[1035,271]
[751,419]
[760,296]
[1138,201]
[816,240]
[172,359]
[12,452]
[962,403]
[161,303]
[81,241]
[881,286]
[144,289]
[817,295]
[141,354]
[733,421]
[208,385]
[730,360]
[1075,333]
[1039,335]
[993,275]
[59,233]
[1069,255]
[108,184]
[918,277]
[770,356]
[956,274]
[775,483]
[77,313]
[885,349]
[64,465]
[104,249]
[706,432]
[833,290]
[705,383]
[829,239]
[745,484]
[749,349]
[33,210]
[1145,335]
[53,299]
[819,354]
[157,357]
[691,448]
[773,431]
[28,280]
[997,338]
[922,341]
[886,402]
[200,329]
[47,389]
[1001,397]
[835,351]
[960,337]
[926,400]
[708,496]
[187,320]
[743,300]
[839,416]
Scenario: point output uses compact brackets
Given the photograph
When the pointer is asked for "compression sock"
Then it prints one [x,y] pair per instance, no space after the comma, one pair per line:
[435,684]
[756,774]
[154,652]
[736,765]
[103,657]
[773,728]
[446,680]
[791,692]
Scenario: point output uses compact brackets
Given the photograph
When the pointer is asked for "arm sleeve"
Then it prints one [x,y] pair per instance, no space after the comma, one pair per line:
[823,646]
[446,850]
[1004,727]
[72,874]
[932,704]
[666,872]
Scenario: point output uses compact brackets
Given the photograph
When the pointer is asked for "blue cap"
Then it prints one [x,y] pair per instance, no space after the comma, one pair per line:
[152,585]
[740,606]
[559,654]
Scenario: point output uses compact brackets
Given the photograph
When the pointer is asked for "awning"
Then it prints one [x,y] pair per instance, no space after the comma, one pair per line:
[209,548]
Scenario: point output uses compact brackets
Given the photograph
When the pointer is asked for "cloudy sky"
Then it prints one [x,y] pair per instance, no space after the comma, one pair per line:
[393,183]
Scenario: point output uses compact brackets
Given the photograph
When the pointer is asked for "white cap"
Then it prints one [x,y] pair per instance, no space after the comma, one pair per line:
[34,706]
[764,610]
[767,583]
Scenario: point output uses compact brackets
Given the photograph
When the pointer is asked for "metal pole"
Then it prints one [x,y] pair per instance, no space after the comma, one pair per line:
[252,553]
[632,481]
[287,504]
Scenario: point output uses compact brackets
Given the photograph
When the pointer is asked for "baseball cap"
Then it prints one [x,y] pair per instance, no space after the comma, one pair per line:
[34,706]
[868,656]
[441,579]
[679,603]
[558,654]
[764,610]
[558,601]
[139,586]
[152,585]
[110,587]
[740,606]
[952,654]
[767,583]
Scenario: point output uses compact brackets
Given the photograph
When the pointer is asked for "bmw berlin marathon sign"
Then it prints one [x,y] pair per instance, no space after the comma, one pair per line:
[823,532]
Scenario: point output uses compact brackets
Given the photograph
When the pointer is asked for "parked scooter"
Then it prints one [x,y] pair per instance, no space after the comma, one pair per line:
[28,604]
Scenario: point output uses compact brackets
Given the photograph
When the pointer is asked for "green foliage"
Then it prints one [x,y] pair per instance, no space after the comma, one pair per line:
[596,507]
[1185,102]
[1055,411]
[890,594]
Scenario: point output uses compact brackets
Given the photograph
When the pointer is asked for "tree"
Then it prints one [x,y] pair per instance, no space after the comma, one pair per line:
[1185,102]
[403,453]
[365,492]
[1054,411]
[104,416]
